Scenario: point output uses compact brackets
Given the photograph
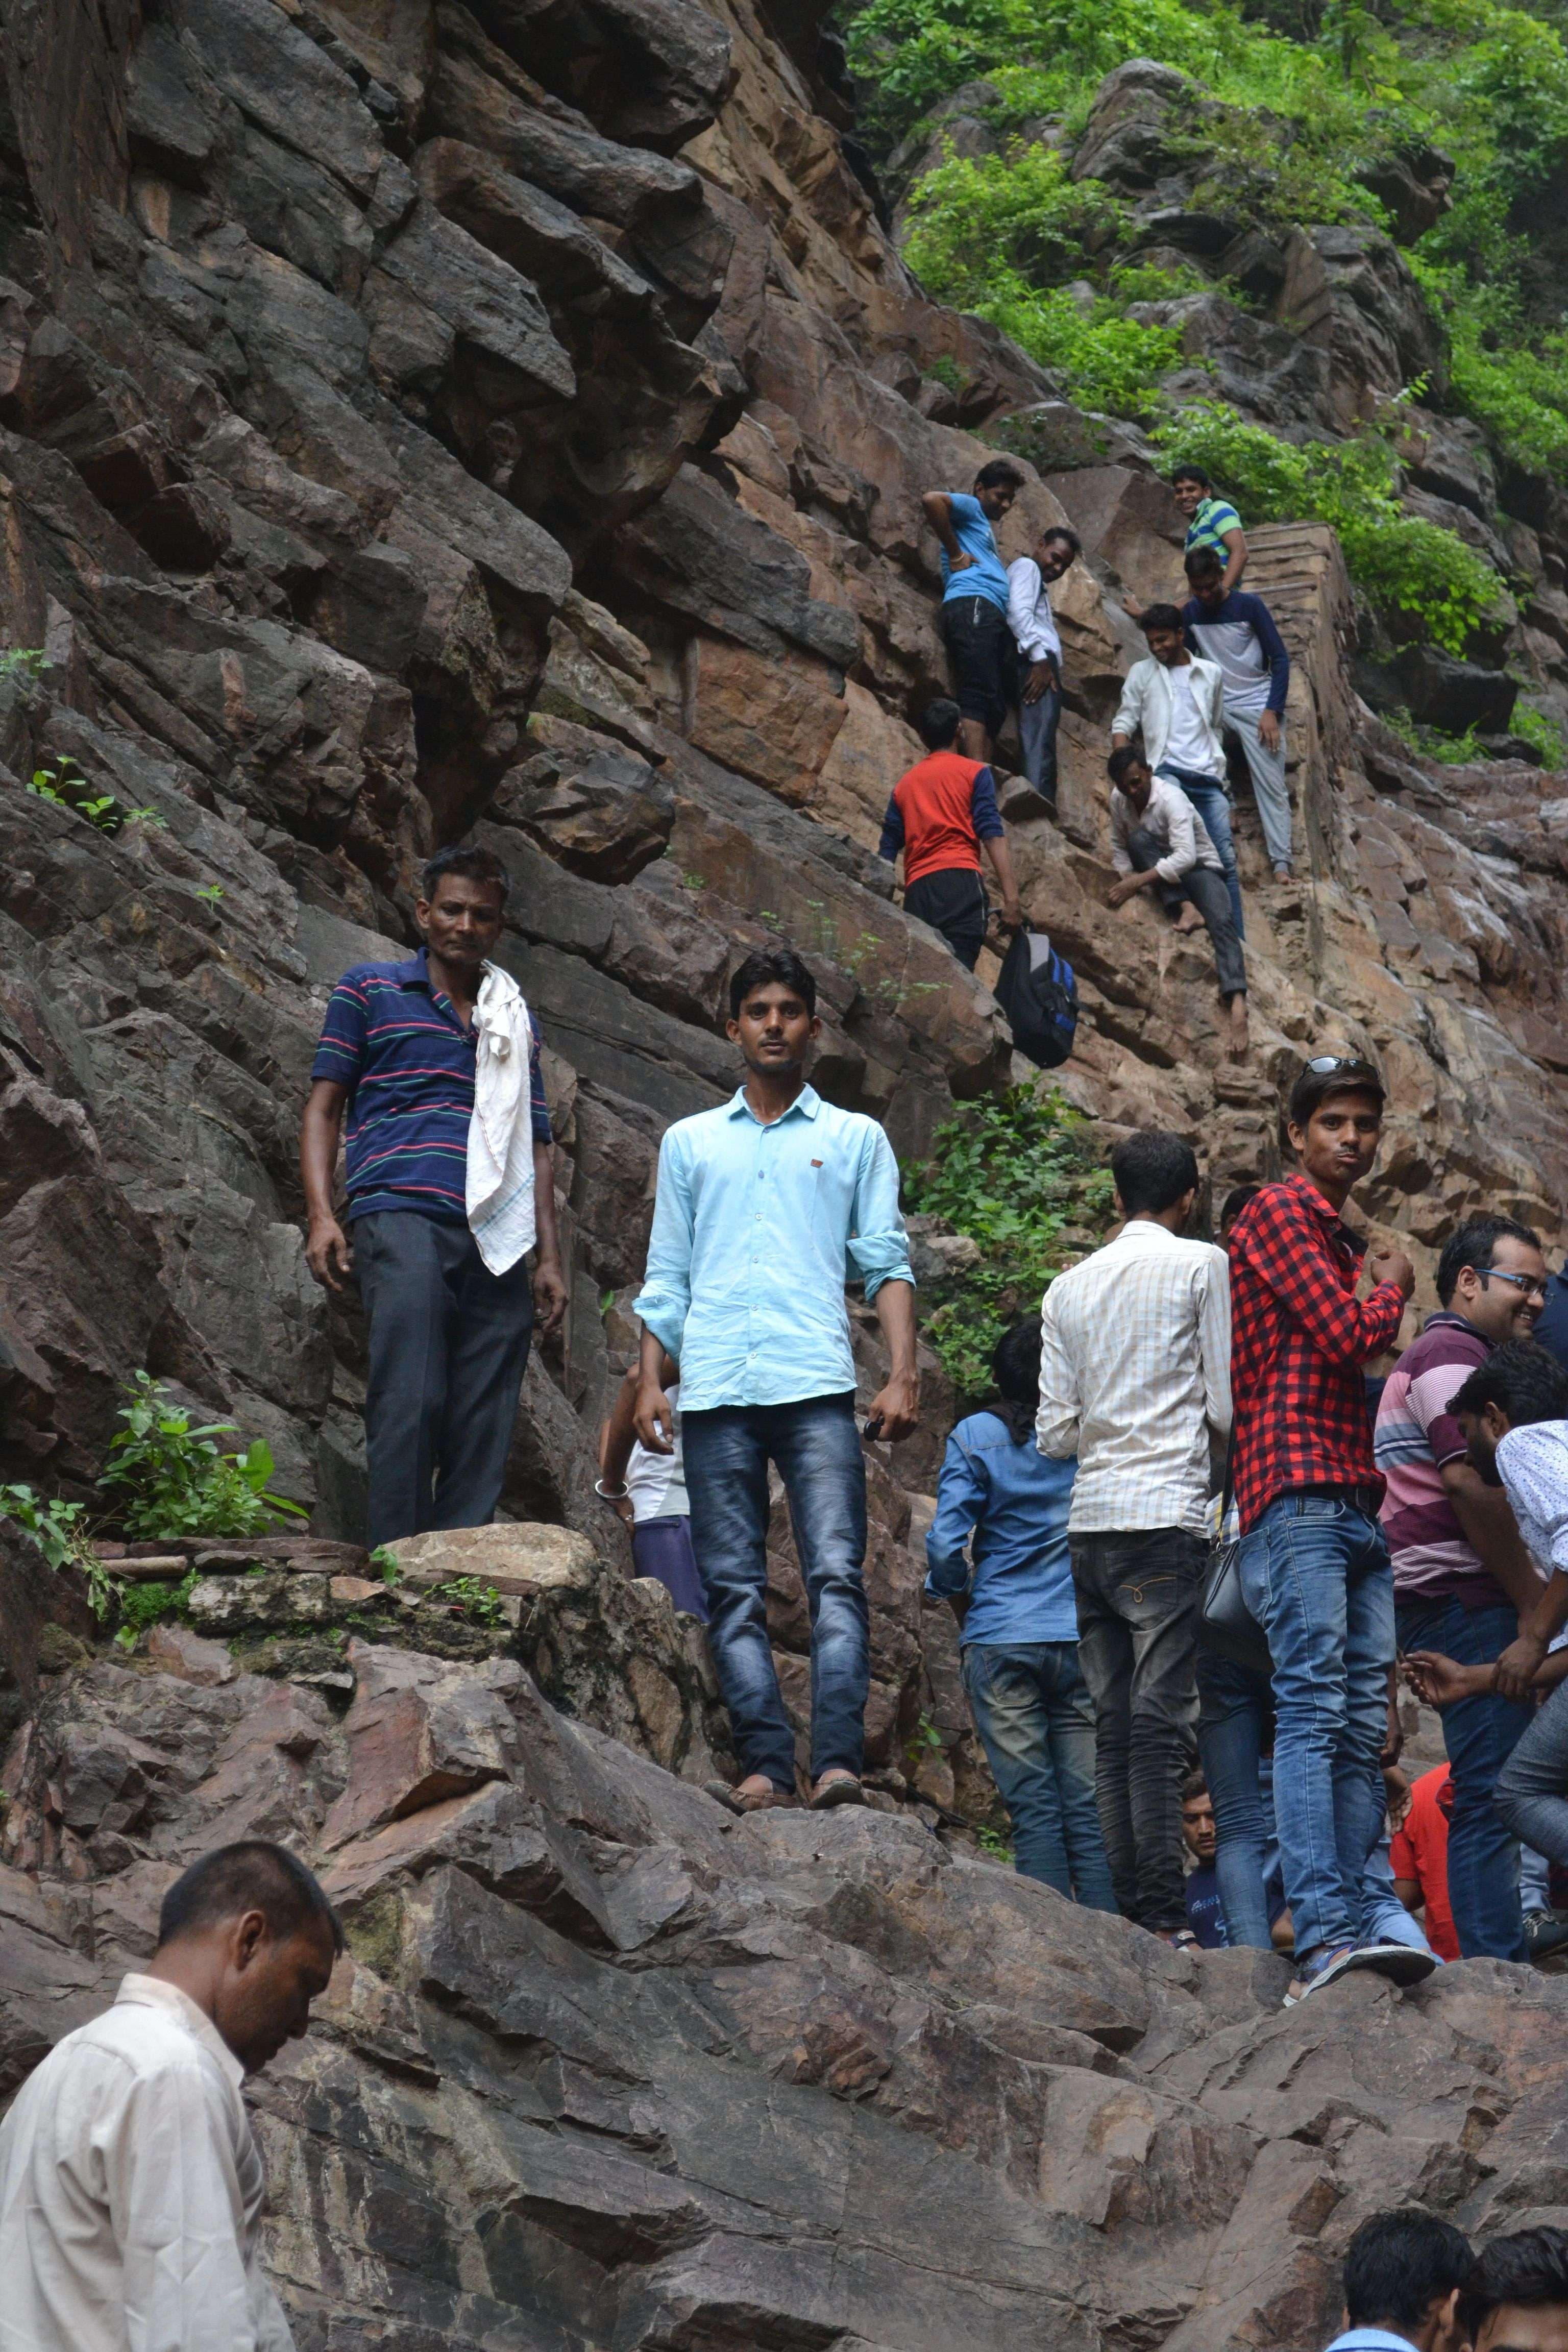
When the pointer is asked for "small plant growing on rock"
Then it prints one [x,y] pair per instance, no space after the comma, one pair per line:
[60,1531]
[470,1597]
[177,1479]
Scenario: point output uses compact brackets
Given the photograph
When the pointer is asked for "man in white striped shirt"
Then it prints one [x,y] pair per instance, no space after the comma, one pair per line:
[1135,1379]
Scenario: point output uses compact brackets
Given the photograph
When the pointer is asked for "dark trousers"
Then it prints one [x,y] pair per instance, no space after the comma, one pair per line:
[953,902]
[1207,891]
[984,657]
[1480,1734]
[817,1446]
[448,1347]
[1037,725]
[1138,1596]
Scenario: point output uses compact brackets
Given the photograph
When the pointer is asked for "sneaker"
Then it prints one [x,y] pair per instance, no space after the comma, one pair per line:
[1545,1933]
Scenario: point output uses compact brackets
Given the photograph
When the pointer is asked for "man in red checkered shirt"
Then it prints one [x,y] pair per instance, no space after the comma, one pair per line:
[1314,1566]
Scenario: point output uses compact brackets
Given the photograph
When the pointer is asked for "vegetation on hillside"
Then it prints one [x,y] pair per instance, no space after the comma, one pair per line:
[1301,101]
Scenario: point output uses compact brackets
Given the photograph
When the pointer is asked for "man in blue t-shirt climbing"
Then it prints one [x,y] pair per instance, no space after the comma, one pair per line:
[975,601]
[1237,632]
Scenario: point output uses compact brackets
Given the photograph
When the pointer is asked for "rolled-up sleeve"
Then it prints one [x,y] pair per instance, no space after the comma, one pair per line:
[665,1295]
[961,1496]
[177,2215]
[877,1250]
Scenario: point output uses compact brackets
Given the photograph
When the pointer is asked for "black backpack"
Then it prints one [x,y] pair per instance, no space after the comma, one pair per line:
[1037,993]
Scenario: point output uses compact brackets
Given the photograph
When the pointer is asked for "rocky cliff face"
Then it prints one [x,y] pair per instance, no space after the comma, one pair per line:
[415,419]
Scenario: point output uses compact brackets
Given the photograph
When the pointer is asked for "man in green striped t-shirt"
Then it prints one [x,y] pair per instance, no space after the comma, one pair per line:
[1211,522]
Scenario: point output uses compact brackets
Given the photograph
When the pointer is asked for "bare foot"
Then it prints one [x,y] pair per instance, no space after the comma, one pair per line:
[1189,919]
[1239,1040]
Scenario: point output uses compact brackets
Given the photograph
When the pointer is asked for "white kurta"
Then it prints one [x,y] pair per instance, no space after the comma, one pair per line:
[131,2187]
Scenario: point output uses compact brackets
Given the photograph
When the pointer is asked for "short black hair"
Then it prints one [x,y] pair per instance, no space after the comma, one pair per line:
[1398,2264]
[1016,1362]
[1122,759]
[1161,616]
[1235,1200]
[477,865]
[1529,2268]
[938,723]
[1153,1170]
[1474,1246]
[767,968]
[1201,561]
[1523,1379]
[1195,1785]
[1059,531]
[999,470]
[1342,1075]
[1188,471]
[252,1875]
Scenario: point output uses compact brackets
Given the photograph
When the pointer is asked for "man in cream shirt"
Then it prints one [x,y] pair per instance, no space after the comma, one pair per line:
[130,2185]
[1135,1381]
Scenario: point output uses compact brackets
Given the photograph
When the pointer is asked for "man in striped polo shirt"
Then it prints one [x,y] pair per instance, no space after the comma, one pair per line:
[449,1338]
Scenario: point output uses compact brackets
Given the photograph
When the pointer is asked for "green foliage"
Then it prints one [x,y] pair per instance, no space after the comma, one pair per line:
[996,1843]
[1012,1171]
[177,1481]
[383,1563]
[71,791]
[1412,569]
[27,662]
[468,1596]
[143,1606]
[60,1531]
[1545,734]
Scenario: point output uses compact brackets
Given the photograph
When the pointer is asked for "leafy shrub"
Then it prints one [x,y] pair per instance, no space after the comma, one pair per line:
[1545,734]
[143,1606]
[1013,1172]
[61,1533]
[1412,569]
[470,1597]
[177,1481]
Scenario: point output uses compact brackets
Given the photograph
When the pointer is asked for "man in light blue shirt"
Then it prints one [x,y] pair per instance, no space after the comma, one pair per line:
[1403,2275]
[975,593]
[766,1208]
[1017,1621]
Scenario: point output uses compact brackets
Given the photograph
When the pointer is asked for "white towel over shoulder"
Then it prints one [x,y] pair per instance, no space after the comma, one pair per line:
[500,1187]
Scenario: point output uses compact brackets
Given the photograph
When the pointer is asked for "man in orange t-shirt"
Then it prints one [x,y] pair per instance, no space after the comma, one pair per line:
[940,813]
[1419,1857]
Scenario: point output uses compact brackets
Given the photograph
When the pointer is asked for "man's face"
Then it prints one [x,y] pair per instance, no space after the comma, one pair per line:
[1208,587]
[1499,1307]
[266,1984]
[1525,2327]
[1482,1430]
[1054,557]
[1338,1143]
[1136,786]
[774,1030]
[462,922]
[996,498]
[1189,495]
[1198,1826]
[1166,646]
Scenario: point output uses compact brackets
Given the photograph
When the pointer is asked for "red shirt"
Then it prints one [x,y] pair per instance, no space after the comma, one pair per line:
[1298,1340]
[940,813]
[1420,1852]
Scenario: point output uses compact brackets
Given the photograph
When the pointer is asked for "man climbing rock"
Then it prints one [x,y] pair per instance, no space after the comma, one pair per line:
[975,600]
[941,812]
[1160,843]
[1030,579]
[449,1186]
[1237,632]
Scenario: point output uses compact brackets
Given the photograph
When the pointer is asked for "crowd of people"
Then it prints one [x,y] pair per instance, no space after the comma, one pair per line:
[1216,668]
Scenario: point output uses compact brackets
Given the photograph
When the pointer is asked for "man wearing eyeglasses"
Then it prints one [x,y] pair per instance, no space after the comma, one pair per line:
[1462,1576]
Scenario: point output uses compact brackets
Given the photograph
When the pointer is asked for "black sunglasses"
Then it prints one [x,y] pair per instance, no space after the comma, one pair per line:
[1322,1063]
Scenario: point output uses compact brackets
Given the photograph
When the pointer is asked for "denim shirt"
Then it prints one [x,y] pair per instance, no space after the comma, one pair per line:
[757,1230]
[1014,1499]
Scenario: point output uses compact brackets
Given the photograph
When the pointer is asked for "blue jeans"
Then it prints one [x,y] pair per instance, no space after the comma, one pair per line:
[1212,802]
[1037,725]
[1480,1734]
[817,1446]
[1235,1725]
[1315,1574]
[1036,1721]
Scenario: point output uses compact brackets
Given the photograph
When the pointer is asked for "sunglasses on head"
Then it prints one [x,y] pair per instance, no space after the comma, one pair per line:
[1321,1065]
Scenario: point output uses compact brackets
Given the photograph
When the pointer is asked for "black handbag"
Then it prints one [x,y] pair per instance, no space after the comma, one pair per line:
[1227,1624]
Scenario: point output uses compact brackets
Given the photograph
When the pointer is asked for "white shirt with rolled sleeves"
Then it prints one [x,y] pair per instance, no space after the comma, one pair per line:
[1148,702]
[1029,614]
[1135,1376]
[757,1226]
[1169,818]
[130,2189]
